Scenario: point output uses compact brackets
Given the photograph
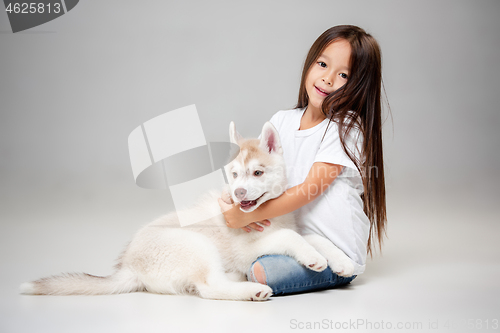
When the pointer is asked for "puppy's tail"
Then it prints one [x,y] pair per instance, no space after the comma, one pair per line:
[84,284]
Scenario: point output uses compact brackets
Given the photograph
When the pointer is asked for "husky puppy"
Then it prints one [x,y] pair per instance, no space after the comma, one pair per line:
[208,258]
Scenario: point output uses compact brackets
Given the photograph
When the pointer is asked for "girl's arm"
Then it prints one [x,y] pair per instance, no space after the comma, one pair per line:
[319,178]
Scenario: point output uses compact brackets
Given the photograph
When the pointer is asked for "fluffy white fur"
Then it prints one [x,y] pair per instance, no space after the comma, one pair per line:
[208,258]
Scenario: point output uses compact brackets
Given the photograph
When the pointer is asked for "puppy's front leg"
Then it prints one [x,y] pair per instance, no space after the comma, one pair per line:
[288,242]
[338,261]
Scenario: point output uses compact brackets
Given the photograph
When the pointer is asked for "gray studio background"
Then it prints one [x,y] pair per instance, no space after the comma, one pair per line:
[73,89]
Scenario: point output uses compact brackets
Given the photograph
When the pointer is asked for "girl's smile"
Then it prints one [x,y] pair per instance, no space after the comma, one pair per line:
[321,92]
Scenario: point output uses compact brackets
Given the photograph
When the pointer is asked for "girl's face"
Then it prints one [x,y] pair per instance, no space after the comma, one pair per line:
[328,73]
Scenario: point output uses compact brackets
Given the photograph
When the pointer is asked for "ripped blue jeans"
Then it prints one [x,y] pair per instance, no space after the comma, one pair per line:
[286,276]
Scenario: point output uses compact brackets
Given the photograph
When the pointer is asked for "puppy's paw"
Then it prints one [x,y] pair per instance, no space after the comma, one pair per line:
[342,267]
[259,292]
[314,261]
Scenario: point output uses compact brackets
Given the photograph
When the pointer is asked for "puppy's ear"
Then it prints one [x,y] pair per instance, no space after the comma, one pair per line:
[270,139]
[234,136]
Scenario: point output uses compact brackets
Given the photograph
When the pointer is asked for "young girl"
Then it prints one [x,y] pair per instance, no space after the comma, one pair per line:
[332,143]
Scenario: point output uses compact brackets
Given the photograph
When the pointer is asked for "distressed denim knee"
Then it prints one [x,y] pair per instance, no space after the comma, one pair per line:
[286,276]
[257,273]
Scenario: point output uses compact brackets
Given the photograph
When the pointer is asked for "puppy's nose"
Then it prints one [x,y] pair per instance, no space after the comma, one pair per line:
[240,193]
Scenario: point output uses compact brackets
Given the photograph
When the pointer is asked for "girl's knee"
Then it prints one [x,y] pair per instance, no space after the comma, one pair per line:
[258,273]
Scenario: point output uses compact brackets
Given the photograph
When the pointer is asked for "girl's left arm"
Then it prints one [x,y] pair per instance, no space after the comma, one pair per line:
[317,181]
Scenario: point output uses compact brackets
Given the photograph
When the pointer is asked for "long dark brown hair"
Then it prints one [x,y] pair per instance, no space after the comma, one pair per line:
[357,105]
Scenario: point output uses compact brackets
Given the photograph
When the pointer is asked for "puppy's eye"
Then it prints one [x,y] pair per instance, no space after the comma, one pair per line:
[235,175]
[258,173]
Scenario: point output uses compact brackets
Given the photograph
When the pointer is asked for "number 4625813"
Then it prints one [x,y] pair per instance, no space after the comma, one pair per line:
[33,7]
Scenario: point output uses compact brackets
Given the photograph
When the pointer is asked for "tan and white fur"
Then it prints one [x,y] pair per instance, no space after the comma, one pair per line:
[208,258]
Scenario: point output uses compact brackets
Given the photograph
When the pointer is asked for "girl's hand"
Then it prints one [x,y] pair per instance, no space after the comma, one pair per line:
[235,218]
[226,197]
[257,226]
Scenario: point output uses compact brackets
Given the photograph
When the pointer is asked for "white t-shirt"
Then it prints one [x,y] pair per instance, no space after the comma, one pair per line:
[337,214]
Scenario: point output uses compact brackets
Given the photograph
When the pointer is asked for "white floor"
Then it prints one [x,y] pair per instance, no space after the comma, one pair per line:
[439,271]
